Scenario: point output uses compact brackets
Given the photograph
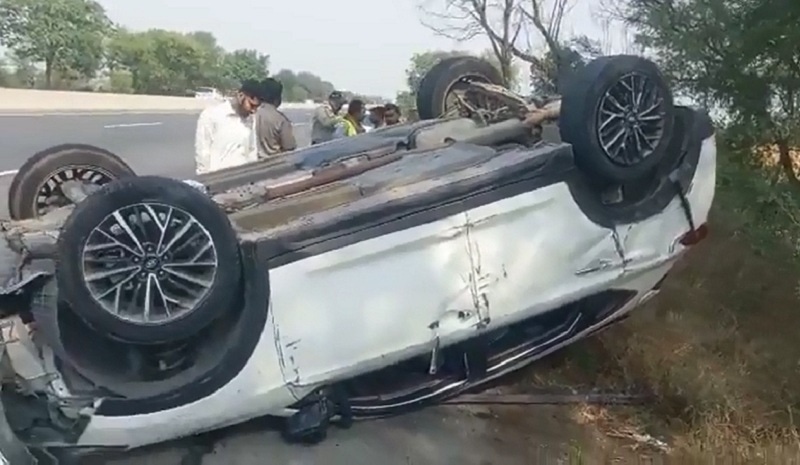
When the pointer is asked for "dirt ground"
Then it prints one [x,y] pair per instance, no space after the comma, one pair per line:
[458,435]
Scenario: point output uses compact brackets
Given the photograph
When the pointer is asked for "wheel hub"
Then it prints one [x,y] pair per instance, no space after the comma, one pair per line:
[152,264]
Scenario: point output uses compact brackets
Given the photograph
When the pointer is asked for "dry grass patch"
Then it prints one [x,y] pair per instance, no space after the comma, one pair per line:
[719,350]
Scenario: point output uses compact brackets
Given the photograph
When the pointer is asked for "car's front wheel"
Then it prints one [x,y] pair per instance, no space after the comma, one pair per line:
[148,260]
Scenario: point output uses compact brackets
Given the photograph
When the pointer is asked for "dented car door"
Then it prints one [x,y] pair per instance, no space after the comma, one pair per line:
[366,305]
[526,254]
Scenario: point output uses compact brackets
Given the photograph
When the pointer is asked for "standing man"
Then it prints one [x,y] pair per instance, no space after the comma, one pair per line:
[225,136]
[374,118]
[325,119]
[351,123]
[273,129]
[391,114]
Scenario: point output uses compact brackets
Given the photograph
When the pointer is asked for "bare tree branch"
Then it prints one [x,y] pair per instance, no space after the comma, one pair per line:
[503,22]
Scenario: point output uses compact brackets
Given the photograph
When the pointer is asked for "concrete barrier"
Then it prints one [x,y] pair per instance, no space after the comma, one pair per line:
[51,101]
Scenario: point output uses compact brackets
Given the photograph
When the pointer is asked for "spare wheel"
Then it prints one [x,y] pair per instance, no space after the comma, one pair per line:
[148,260]
[618,115]
[36,188]
[435,93]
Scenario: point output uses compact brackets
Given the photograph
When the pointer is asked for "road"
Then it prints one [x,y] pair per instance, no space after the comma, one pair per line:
[145,141]
[447,435]
[151,143]
[163,144]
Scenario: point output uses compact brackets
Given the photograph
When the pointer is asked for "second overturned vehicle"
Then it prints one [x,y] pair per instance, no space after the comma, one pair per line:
[358,278]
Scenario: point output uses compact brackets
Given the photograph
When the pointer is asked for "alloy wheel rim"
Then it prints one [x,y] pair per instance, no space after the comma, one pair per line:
[631,119]
[149,263]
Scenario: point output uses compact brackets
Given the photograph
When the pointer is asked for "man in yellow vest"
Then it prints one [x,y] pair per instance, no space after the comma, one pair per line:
[351,123]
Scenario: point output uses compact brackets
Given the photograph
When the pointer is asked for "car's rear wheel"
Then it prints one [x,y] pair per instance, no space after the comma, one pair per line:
[148,260]
[36,188]
[436,93]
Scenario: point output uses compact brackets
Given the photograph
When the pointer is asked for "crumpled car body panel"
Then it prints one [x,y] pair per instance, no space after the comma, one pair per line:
[399,272]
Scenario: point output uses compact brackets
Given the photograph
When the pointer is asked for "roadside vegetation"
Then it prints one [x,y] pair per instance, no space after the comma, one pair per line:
[85,50]
[717,353]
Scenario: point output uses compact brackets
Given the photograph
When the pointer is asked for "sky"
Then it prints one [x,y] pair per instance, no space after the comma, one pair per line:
[359,45]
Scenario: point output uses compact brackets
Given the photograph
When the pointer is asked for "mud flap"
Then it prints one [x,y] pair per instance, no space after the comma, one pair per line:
[12,450]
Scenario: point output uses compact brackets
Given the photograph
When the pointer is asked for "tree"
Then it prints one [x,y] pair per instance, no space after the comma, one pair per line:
[738,55]
[160,62]
[62,34]
[422,62]
[463,20]
[213,56]
[6,77]
[406,101]
[418,67]
[244,64]
[512,77]
[298,87]
[505,23]
[551,73]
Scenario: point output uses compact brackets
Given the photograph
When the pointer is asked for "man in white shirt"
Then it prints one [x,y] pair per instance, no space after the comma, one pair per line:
[225,132]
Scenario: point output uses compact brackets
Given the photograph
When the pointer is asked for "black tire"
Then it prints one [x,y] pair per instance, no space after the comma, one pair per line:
[581,110]
[37,170]
[218,298]
[428,84]
[437,83]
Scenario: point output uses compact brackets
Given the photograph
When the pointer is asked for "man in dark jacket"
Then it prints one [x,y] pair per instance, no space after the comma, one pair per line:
[274,131]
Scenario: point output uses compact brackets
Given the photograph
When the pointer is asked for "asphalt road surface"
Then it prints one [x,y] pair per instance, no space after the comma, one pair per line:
[151,143]
[446,435]
[163,144]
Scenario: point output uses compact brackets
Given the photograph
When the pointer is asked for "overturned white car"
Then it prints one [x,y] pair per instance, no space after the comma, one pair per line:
[354,279]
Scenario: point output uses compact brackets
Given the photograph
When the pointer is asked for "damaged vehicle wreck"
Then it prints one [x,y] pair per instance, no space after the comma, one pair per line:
[355,279]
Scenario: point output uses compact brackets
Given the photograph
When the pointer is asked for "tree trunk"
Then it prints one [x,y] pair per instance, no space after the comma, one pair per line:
[786,162]
[48,73]
[506,70]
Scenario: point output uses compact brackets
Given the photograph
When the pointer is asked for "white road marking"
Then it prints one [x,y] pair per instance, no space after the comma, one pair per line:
[114,126]
[131,125]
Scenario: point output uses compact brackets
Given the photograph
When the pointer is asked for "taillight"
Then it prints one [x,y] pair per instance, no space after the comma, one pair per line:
[695,236]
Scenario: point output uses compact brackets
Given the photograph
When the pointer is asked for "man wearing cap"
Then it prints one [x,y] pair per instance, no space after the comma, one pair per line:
[225,134]
[325,119]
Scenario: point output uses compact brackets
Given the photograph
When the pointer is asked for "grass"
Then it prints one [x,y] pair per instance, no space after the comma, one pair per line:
[719,349]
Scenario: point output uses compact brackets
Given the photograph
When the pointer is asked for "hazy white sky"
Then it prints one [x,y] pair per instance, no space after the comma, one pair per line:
[359,45]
